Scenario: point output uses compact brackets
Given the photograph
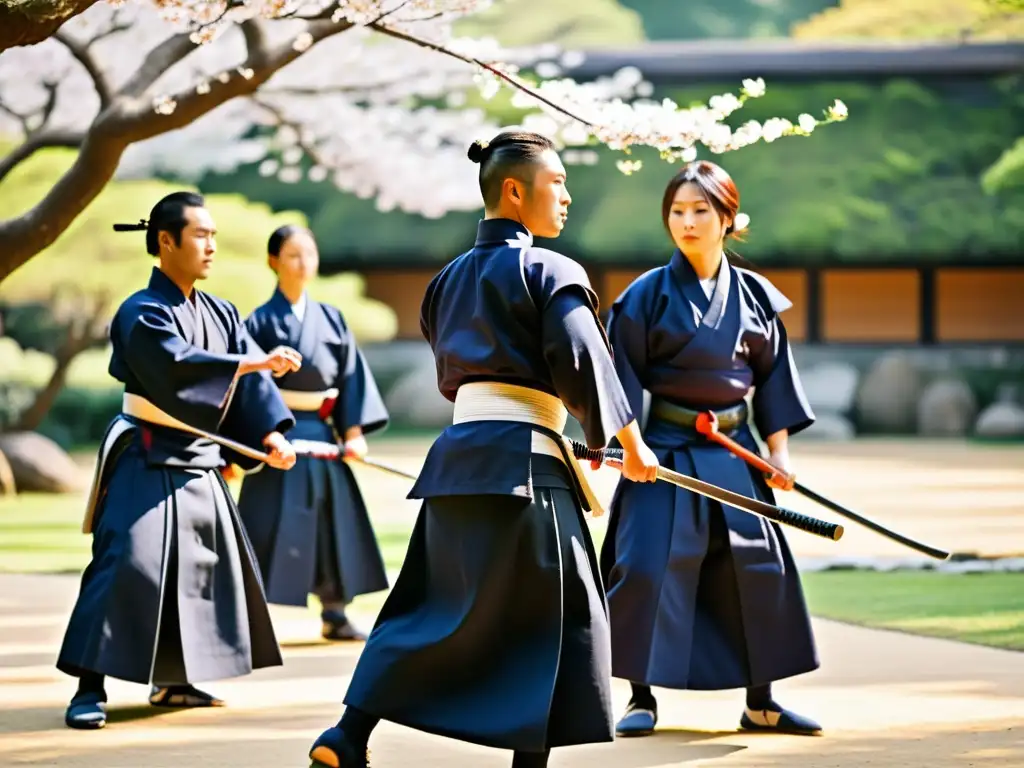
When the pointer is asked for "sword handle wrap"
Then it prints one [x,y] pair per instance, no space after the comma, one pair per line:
[806,523]
[583,453]
[810,524]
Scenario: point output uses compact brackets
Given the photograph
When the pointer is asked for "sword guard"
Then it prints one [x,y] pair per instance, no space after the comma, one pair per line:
[583,453]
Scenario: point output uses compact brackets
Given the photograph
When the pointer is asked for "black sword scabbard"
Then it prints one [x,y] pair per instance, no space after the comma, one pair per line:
[793,519]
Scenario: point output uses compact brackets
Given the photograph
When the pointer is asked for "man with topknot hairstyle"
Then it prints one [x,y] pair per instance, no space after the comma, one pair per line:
[496,631]
[172,595]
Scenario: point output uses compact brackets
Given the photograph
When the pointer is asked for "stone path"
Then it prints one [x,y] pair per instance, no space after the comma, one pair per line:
[887,700]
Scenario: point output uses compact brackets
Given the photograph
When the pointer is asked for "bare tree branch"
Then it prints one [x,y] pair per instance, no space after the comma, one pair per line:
[38,141]
[157,61]
[83,54]
[87,328]
[37,133]
[21,117]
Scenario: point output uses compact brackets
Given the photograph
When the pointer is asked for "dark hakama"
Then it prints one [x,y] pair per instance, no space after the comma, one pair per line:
[172,594]
[496,630]
[702,596]
[309,525]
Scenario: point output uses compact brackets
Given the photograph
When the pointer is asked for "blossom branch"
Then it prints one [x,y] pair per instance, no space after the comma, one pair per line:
[307,146]
[261,63]
[496,71]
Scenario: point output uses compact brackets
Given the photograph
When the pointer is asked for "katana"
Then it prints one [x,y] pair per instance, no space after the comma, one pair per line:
[707,425]
[826,530]
[318,449]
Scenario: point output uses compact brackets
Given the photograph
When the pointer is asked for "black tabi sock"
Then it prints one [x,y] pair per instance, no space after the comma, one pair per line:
[357,727]
[90,682]
[760,697]
[334,612]
[530,759]
[642,697]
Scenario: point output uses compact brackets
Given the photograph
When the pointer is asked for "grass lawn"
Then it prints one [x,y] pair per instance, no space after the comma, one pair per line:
[983,608]
[41,533]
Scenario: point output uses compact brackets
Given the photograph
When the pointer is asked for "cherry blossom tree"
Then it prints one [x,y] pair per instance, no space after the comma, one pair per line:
[371,93]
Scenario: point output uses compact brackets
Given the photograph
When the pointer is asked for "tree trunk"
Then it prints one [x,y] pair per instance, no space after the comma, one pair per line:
[33,416]
[8,487]
[31,22]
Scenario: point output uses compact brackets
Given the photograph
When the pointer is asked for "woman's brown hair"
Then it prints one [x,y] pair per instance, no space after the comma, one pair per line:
[718,188]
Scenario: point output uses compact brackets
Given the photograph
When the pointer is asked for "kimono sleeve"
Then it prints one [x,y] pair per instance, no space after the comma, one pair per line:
[578,357]
[627,333]
[191,384]
[359,401]
[253,328]
[257,408]
[779,400]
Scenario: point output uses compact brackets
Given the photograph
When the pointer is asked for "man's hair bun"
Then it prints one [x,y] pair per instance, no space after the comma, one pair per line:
[476,151]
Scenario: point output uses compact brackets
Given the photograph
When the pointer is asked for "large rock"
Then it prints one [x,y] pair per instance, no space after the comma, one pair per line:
[828,427]
[39,464]
[947,408]
[414,400]
[830,387]
[888,396]
[1001,420]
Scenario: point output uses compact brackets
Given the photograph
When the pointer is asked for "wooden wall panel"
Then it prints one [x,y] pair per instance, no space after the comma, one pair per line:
[402,290]
[794,284]
[870,305]
[615,281]
[979,305]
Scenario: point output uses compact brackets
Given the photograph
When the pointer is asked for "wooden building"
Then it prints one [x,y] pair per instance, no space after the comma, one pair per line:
[911,303]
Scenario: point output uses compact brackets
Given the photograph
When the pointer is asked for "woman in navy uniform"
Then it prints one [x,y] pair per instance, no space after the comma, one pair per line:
[496,631]
[701,596]
[309,526]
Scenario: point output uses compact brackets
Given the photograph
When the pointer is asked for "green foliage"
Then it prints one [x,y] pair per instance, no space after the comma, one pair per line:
[916,19]
[565,22]
[80,416]
[899,179]
[1008,171]
[705,19]
[91,258]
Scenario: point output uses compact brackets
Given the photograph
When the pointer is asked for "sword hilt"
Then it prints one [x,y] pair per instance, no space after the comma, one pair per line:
[583,453]
[809,524]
